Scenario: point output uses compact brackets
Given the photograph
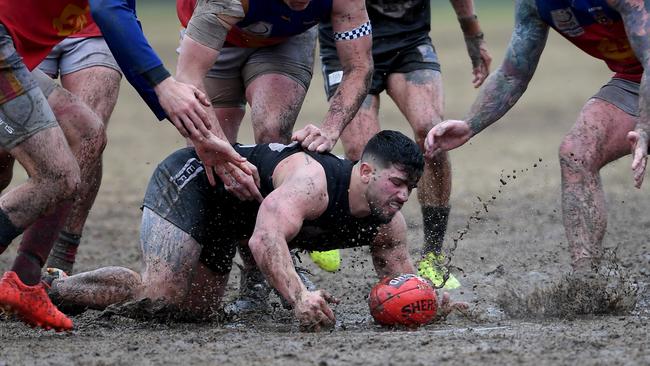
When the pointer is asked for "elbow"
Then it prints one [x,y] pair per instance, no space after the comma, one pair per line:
[258,247]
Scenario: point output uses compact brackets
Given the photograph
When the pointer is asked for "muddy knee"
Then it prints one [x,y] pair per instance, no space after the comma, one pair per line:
[84,130]
[576,157]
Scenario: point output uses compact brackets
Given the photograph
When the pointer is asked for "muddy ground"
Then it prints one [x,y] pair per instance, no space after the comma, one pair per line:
[517,244]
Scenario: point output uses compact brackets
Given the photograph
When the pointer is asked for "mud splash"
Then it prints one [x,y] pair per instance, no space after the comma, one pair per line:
[606,291]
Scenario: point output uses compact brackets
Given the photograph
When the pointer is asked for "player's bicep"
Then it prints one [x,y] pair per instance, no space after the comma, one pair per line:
[352,32]
[527,43]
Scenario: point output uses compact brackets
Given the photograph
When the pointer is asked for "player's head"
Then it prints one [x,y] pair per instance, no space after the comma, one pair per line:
[393,165]
[297,5]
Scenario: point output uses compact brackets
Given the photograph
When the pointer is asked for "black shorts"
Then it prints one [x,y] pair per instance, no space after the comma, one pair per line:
[180,193]
[419,55]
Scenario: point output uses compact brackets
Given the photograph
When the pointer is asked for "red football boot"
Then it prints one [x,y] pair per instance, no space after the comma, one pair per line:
[31,304]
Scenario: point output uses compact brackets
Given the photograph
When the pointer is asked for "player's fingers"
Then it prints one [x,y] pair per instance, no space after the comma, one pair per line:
[329,298]
[200,121]
[639,172]
[209,171]
[316,143]
[202,97]
[180,127]
[191,129]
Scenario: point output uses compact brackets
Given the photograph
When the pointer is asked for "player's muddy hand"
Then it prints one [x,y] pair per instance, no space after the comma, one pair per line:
[313,138]
[447,306]
[639,141]
[238,175]
[313,312]
[184,105]
[445,136]
[480,56]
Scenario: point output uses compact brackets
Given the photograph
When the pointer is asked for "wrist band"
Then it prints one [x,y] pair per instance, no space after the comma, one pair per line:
[358,32]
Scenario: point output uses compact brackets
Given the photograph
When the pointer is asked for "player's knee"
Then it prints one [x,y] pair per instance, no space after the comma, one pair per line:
[575,156]
[92,133]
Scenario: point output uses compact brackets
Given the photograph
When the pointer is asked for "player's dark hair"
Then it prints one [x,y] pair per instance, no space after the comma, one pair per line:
[394,148]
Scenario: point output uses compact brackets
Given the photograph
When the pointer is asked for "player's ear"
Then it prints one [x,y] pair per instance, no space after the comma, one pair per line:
[366,171]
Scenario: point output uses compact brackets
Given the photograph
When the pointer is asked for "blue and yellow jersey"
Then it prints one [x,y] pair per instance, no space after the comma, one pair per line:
[597,29]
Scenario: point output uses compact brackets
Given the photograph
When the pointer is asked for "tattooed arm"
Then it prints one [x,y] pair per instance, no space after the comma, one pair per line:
[503,88]
[350,23]
[300,194]
[476,46]
[636,18]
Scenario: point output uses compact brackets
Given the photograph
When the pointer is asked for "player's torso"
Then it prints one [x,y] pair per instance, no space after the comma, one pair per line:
[36,25]
[336,227]
[595,28]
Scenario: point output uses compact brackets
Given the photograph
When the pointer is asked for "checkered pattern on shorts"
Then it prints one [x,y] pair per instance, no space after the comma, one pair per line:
[358,32]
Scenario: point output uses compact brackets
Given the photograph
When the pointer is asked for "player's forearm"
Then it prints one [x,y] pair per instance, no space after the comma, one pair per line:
[467,18]
[500,92]
[345,103]
[504,88]
[272,256]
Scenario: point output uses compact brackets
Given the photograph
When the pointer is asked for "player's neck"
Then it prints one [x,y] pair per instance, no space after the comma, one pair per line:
[357,194]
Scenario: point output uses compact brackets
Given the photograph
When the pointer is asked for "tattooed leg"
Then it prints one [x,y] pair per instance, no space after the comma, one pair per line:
[419,96]
[170,257]
[274,114]
[597,138]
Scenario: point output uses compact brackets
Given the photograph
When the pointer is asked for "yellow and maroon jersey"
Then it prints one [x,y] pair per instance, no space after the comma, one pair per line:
[36,26]
[597,29]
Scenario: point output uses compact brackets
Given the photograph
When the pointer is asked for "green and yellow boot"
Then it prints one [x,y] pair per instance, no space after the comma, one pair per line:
[431,267]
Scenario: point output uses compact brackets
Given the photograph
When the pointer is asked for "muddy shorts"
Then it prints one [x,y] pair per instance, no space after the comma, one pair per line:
[180,193]
[23,107]
[419,56]
[237,67]
[74,54]
[622,93]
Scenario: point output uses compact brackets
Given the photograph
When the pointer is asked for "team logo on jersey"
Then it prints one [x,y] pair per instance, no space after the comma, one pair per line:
[259,29]
[565,21]
[616,49]
[600,16]
[72,20]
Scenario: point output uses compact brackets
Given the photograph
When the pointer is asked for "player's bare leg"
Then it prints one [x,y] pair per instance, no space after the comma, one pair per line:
[169,275]
[98,88]
[418,94]
[363,126]
[230,119]
[597,138]
[274,114]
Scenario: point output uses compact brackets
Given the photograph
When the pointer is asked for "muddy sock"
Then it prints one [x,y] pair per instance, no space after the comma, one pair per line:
[434,219]
[37,243]
[8,231]
[28,267]
[64,252]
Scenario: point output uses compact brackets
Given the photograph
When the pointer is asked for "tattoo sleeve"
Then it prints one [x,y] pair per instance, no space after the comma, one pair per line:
[636,18]
[508,83]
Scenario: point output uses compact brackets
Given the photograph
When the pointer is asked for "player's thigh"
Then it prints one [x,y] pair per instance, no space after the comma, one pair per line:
[362,128]
[28,128]
[288,67]
[89,70]
[170,256]
[599,135]
[78,122]
[419,96]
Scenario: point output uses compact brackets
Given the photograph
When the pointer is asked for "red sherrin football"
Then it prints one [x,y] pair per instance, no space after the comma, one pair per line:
[403,300]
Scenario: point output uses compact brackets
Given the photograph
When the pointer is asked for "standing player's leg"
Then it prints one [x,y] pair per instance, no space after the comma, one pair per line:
[415,84]
[89,71]
[31,135]
[597,138]
[287,67]
[86,137]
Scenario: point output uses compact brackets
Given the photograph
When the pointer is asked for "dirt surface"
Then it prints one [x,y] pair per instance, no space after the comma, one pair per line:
[512,259]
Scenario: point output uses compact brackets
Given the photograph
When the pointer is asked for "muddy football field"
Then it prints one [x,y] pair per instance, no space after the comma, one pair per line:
[512,258]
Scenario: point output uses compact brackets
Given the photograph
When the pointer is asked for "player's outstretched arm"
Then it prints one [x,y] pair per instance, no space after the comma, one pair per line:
[474,40]
[389,250]
[506,85]
[352,33]
[300,194]
[636,17]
